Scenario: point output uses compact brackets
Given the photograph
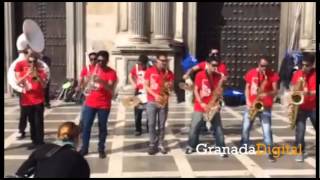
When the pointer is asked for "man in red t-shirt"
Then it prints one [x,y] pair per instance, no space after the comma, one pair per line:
[31,76]
[266,80]
[155,79]
[206,82]
[308,107]
[136,78]
[222,68]
[98,102]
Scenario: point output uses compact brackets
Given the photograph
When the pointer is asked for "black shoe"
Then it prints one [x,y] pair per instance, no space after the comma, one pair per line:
[189,151]
[137,133]
[224,155]
[152,150]
[162,149]
[31,146]
[22,136]
[271,158]
[83,153]
[102,154]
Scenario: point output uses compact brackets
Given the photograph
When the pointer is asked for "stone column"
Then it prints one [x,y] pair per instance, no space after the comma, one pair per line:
[137,22]
[70,72]
[80,36]
[178,35]
[307,33]
[75,21]
[162,22]
[9,41]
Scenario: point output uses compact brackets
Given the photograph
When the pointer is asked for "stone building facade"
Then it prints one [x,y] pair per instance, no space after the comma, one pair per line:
[128,29]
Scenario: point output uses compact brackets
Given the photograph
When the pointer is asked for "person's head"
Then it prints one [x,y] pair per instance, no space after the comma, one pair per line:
[69,131]
[102,58]
[143,60]
[93,58]
[213,63]
[263,63]
[162,61]
[307,62]
[32,56]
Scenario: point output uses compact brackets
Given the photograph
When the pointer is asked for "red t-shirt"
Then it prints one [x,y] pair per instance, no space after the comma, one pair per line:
[138,75]
[254,79]
[309,103]
[84,71]
[100,98]
[34,94]
[204,89]
[156,79]
[221,68]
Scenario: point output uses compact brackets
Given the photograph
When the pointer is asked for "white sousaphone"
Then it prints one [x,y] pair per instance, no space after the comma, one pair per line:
[31,38]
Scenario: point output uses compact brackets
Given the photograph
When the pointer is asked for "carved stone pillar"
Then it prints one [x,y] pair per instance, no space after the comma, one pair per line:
[137,22]
[162,22]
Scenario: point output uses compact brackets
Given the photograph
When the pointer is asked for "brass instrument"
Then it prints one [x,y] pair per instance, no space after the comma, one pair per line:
[296,99]
[130,102]
[91,83]
[214,104]
[257,106]
[164,92]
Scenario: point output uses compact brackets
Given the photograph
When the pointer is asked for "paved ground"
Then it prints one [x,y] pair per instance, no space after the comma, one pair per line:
[127,156]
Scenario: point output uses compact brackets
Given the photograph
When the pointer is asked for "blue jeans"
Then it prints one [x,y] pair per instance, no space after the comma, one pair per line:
[156,116]
[196,123]
[87,118]
[301,125]
[265,120]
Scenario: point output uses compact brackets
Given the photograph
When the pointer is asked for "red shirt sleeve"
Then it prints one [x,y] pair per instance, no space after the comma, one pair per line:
[313,81]
[19,67]
[114,76]
[223,69]
[295,78]
[83,73]
[275,77]
[202,65]
[133,72]
[248,76]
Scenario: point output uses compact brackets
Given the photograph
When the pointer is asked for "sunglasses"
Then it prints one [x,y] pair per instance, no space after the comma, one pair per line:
[307,65]
[214,65]
[163,60]
[263,65]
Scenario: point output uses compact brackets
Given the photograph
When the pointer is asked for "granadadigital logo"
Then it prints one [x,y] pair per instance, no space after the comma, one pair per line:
[261,149]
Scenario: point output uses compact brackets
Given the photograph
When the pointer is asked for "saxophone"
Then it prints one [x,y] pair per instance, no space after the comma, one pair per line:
[214,104]
[91,84]
[164,92]
[257,106]
[296,99]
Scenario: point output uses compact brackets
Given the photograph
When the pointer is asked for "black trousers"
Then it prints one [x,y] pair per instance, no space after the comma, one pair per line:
[138,117]
[35,115]
[47,94]
[23,118]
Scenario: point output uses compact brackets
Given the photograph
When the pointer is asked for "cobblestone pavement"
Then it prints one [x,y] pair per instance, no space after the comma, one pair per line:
[127,154]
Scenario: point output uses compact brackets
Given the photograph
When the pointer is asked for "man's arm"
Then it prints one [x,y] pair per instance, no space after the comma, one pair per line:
[247,95]
[191,70]
[132,81]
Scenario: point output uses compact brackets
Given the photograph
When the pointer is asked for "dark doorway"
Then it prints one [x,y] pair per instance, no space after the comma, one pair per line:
[209,24]
[243,31]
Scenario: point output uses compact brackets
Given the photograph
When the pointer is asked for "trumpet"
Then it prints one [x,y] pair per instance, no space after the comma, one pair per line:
[91,83]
